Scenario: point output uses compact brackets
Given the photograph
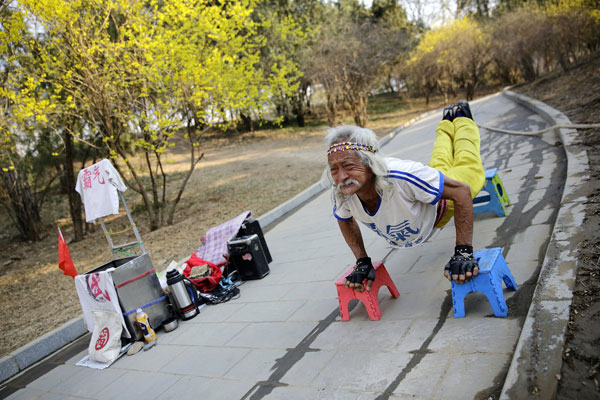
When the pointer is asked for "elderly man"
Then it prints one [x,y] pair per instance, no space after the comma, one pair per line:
[404,201]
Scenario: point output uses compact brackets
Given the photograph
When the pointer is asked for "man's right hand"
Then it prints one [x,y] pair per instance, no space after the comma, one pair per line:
[362,270]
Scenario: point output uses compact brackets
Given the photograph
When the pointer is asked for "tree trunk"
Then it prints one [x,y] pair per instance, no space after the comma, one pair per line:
[247,120]
[332,111]
[23,204]
[74,198]
[359,110]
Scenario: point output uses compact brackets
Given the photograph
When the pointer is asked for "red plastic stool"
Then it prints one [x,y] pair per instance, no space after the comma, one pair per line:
[369,298]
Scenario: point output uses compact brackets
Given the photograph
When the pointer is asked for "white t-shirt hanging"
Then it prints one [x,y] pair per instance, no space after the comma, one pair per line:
[404,216]
[97,185]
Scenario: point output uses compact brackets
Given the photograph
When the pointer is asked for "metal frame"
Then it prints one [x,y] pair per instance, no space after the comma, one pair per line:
[123,249]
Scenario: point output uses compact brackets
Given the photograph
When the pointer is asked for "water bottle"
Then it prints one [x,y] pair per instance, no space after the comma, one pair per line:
[144,323]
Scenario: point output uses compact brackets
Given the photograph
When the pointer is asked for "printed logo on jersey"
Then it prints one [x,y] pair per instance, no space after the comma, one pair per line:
[400,235]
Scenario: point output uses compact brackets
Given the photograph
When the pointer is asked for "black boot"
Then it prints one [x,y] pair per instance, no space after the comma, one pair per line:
[448,113]
[463,110]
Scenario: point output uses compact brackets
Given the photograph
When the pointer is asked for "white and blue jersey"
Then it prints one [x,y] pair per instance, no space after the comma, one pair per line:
[404,216]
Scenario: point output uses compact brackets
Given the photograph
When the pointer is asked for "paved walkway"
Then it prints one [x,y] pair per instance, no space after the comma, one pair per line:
[282,338]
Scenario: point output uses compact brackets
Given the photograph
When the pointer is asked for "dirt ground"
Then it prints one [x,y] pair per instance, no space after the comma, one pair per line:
[257,172]
[577,94]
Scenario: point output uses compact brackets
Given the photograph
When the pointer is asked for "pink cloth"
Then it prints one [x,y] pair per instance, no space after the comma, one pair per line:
[214,242]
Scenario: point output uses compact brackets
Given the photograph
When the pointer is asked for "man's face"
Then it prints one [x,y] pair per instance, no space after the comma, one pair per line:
[348,172]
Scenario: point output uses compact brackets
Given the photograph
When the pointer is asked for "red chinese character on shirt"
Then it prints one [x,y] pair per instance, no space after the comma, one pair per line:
[97,175]
[87,179]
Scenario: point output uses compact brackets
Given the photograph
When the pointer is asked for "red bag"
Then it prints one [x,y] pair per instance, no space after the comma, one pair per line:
[208,283]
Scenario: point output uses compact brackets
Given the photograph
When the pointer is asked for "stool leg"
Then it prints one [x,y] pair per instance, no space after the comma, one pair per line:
[458,301]
[504,273]
[386,280]
[496,298]
[371,301]
[343,300]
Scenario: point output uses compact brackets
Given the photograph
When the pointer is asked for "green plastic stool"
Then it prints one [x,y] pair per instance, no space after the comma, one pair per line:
[496,199]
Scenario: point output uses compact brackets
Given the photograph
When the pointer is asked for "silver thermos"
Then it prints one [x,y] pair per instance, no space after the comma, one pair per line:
[185,300]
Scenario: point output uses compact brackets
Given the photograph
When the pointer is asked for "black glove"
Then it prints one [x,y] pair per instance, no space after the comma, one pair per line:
[462,261]
[362,270]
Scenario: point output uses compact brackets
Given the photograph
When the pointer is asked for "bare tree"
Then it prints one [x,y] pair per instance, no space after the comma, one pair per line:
[349,60]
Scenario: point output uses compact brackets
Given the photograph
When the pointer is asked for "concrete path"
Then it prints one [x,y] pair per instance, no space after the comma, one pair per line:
[282,338]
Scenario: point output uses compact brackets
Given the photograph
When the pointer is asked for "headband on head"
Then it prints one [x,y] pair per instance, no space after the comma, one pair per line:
[334,148]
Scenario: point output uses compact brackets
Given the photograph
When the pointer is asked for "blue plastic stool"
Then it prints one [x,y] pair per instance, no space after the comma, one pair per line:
[492,271]
[496,199]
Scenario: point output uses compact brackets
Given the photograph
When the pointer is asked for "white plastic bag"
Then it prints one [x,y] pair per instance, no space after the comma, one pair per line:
[106,338]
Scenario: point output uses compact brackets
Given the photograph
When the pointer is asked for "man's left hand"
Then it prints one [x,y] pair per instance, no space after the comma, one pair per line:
[362,270]
[462,265]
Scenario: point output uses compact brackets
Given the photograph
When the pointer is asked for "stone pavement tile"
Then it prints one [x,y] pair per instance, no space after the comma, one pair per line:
[366,371]
[434,259]
[522,271]
[281,335]
[418,282]
[533,234]
[417,333]
[138,385]
[519,160]
[256,366]
[483,240]
[412,305]
[423,378]
[530,205]
[537,195]
[326,269]
[361,335]
[284,235]
[302,393]
[519,252]
[543,216]
[404,397]
[209,334]
[542,182]
[34,394]
[401,261]
[485,371]
[486,335]
[312,290]
[195,388]
[305,239]
[307,368]
[489,224]
[205,361]
[213,313]
[61,374]
[151,360]
[266,311]
[252,291]
[85,382]
[299,254]
[315,310]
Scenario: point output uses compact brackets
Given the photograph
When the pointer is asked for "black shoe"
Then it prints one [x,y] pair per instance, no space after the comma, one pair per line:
[463,110]
[448,113]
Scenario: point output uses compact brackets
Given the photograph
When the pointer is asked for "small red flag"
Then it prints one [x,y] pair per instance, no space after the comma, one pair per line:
[65,262]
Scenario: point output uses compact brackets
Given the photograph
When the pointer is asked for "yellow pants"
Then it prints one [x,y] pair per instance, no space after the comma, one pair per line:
[456,155]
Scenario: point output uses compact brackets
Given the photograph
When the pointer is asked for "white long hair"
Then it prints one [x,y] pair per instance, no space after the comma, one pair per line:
[374,161]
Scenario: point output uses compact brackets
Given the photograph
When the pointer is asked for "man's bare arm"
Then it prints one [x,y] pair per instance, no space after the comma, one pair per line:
[353,237]
[363,268]
[460,194]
